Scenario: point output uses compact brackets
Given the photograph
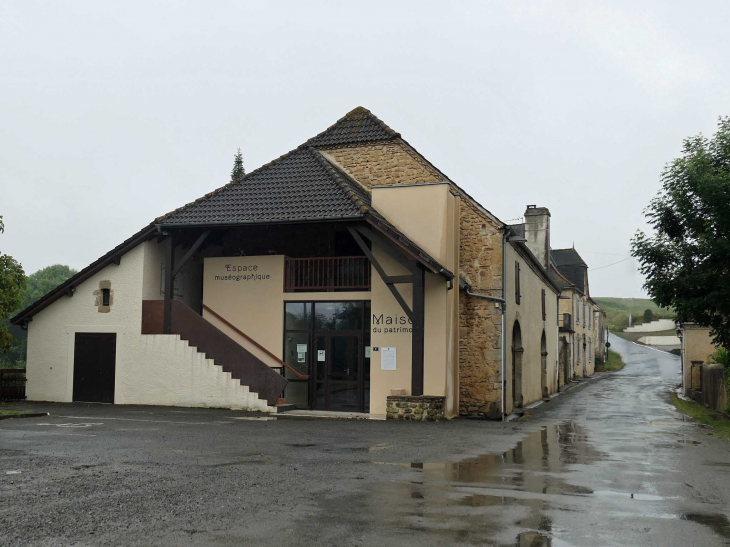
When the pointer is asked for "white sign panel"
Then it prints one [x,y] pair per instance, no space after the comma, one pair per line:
[301,348]
[387,359]
[320,355]
[301,357]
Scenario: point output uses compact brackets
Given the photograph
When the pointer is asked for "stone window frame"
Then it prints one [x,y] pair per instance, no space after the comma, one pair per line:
[105,289]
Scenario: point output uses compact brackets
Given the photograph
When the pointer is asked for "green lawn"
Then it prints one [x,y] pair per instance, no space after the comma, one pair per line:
[613,363]
[718,427]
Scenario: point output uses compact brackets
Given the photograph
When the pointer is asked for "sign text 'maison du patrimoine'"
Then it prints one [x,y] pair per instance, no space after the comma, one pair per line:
[391,323]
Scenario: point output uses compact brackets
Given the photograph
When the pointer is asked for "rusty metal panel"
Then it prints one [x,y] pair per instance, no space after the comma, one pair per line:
[152,316]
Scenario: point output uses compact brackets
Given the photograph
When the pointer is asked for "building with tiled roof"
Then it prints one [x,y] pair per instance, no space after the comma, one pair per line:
[582,336]
[349,274]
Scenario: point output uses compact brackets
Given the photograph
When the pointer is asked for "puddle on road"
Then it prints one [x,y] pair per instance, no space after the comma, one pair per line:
[716,522]
[533,539]
[503,499]
[527,467]
[500,498]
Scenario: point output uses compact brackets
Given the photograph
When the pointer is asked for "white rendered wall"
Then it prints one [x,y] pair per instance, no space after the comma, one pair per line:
[654,326]
[150,369]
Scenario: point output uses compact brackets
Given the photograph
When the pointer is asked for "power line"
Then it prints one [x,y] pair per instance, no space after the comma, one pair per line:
[612,264]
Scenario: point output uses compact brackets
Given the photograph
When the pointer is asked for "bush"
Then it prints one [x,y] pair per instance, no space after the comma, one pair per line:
[722,356]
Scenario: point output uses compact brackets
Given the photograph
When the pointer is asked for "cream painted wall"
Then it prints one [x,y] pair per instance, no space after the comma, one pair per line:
[567,305]
[697,346]
[256,307]
[585,363]
[529,315]
[149,369]
[397,335]
[429,215]
[423,212]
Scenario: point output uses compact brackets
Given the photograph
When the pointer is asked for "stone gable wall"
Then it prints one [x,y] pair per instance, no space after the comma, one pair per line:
[480,321]
[383,163]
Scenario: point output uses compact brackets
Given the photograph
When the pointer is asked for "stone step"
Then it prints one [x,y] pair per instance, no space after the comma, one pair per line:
[284,408]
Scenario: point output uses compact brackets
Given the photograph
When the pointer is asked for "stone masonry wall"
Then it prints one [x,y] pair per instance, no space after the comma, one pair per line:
[383,163]
[480,321]
[424,408]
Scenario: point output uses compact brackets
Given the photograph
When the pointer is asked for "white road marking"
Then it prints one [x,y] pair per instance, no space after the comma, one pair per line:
[85,424]
[138,420]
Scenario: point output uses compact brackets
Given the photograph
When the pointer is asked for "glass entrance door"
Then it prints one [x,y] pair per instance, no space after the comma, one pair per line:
[338,382]
[327,348]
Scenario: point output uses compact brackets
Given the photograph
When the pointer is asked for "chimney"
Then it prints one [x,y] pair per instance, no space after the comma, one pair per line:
[537,233]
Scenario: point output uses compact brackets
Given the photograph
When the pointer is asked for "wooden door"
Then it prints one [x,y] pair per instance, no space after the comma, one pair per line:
[94,367]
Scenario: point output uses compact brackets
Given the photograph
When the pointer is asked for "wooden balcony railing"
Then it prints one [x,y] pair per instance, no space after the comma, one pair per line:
[327,273]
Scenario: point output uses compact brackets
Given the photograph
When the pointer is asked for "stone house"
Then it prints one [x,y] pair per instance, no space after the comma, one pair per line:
[695,352]
[582,327]
[349,274]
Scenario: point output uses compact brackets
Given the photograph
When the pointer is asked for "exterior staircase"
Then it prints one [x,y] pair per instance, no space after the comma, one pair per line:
[225,352]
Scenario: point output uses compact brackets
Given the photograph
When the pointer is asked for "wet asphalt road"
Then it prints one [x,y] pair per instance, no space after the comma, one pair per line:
[610,462]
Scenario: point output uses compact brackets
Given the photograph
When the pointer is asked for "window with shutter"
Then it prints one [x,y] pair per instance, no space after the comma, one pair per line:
[544,312]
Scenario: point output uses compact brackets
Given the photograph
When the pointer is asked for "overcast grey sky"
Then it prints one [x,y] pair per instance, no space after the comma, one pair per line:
[112,114]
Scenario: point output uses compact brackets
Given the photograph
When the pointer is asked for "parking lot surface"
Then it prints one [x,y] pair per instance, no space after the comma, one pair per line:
[611,462]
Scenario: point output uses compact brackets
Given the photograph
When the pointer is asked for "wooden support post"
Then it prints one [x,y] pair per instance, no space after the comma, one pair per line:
[388,280]
[417,337]
[198,242]
[169,280]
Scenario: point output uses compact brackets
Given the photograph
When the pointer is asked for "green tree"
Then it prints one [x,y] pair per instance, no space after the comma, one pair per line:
[38,284]
[238,172]
[686,260]
[12,287]
[648,316]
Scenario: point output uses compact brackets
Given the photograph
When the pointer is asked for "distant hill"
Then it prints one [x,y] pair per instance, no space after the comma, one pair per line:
[618,310]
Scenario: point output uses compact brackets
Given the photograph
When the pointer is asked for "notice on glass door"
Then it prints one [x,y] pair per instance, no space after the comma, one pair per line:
[387,359]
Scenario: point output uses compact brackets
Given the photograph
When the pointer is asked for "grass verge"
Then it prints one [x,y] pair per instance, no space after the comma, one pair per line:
[14,412]
[720,428]
[613,363]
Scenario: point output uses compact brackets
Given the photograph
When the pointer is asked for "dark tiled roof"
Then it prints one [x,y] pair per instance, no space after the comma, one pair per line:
[300,185]
[566,257]
[297,186]
[518,229]
[557,278]
[360,125]
[571,266]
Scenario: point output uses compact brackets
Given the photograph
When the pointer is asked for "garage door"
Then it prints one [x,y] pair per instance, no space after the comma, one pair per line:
[94,364]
